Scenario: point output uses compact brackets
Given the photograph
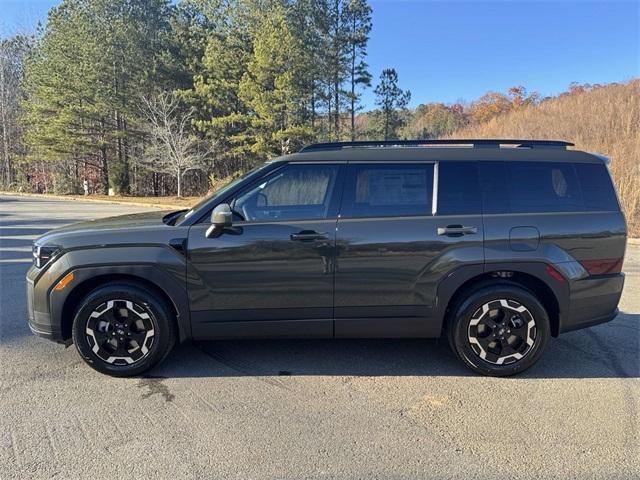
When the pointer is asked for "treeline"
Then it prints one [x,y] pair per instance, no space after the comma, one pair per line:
[103,90]
[152,97]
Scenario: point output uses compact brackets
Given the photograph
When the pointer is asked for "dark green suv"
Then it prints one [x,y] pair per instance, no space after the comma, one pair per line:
[497,244]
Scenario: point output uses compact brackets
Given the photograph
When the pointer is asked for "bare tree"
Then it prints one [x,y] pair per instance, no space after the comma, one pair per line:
[12,55]
[172,147]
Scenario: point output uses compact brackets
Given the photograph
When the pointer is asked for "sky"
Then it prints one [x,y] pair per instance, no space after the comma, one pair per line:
[446,51]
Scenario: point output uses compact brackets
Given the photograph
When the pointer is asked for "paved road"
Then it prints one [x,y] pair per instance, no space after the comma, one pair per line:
[309,409]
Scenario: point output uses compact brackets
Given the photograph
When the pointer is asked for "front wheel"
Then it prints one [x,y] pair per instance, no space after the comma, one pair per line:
[123,329]
[499,330]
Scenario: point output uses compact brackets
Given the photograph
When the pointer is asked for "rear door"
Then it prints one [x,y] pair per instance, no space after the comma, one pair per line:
[402,228]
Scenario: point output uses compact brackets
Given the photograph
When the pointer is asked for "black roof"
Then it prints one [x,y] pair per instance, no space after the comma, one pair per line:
[473,143]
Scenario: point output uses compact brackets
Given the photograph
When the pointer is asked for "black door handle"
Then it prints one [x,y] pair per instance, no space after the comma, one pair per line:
[456,230]
[308,236]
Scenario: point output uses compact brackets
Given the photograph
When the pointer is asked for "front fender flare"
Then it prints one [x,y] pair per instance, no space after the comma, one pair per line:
[167,275]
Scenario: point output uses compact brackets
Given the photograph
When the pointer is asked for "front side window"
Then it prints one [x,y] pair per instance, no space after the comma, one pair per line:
[388,190]
[294,192]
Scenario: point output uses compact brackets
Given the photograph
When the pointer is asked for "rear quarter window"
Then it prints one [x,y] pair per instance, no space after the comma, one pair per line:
[543,187]
[538,187]
[597,189]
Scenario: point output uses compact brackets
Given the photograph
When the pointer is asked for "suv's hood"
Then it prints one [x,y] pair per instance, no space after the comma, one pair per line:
[132,228]
[121,221]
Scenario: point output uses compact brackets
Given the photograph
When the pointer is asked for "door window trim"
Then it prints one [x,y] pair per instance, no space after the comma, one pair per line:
[434,200]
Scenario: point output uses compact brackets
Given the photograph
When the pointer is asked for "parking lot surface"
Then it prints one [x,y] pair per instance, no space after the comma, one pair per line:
[309,409]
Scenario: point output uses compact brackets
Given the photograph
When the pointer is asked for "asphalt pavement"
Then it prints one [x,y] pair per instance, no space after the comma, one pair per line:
[357,409]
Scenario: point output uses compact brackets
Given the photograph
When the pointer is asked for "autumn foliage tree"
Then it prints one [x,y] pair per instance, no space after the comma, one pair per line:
[492,104]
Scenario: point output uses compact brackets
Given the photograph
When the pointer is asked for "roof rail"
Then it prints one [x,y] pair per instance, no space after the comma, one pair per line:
[491,143]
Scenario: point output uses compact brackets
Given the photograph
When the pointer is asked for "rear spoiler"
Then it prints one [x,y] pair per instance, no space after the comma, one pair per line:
[606,160]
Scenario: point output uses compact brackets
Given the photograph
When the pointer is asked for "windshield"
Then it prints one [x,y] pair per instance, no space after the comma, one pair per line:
[186,214]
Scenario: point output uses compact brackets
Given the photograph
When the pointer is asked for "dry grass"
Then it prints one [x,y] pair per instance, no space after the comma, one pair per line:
[605,120]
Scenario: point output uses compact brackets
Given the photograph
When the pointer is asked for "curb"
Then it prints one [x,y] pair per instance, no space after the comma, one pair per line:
[82,198]
[633,241]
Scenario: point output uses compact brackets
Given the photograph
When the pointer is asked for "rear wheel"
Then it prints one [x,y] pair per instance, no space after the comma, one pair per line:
[499,330]
[123,329]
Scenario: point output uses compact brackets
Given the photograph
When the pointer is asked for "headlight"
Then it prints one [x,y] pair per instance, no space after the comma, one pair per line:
[42,254]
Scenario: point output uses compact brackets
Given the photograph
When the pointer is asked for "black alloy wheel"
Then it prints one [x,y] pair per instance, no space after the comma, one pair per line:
[120,332]
[498,329]
[502,331]
[124,328]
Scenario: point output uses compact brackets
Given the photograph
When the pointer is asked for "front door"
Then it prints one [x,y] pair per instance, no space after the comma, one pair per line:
[403,228]
[271,273]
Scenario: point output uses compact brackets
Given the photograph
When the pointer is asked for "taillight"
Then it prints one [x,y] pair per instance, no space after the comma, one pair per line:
[602,266]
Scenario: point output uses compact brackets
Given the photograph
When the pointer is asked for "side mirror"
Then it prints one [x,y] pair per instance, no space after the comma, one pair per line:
[222,215]
[221,218]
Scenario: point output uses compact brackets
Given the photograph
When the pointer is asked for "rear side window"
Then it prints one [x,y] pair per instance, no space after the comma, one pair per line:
[458,189]
[597,189]
[388,190]
[543,187]
[530,187]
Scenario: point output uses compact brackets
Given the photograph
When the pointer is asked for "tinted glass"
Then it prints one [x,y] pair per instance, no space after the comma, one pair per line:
[493,183]
[458,190]
[597,189]
[543,187]
[388,190]
[295,192]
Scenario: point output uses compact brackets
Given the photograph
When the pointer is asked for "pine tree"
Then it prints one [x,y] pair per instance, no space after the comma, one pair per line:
[273,88]
[221,113]
[391,100]
[94,59]
[359,23]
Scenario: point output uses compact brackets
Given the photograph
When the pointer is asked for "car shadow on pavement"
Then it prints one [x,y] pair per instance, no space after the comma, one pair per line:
[607,351]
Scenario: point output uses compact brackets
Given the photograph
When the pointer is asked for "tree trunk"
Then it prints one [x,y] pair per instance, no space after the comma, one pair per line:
[104,169]
[5,151]
[336,73]
[313,104]
[353,95]
[179,179]
[353,83]
[386,125]
[5,131]
[125,159]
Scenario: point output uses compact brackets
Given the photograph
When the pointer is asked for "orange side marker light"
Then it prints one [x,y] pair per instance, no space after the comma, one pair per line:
[64,282]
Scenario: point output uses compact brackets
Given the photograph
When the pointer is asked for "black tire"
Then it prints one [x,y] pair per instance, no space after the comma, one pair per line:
[142,316]
[475,330]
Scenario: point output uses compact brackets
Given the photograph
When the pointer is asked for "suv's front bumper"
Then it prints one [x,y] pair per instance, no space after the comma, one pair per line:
[38,315]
